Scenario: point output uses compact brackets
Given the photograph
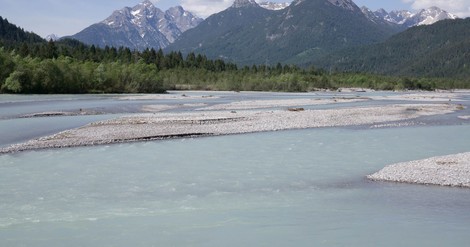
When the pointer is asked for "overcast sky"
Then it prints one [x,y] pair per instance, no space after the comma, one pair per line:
[67,17]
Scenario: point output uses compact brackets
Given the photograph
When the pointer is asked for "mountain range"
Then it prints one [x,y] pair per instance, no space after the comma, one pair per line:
[142,26]
[409,19]
[145,26]
[246,33]
[300,33]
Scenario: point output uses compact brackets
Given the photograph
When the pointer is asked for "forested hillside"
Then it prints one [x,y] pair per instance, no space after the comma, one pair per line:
[10,34]
[438,50]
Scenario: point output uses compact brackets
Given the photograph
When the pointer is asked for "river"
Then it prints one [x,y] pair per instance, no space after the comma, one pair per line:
[286,188]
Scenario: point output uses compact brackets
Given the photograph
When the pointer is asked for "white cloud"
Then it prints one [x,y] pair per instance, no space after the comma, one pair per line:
[204,8]
[460,8]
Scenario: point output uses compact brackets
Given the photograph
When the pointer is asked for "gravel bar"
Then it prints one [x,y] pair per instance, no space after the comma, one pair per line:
[155,126]
[450,170]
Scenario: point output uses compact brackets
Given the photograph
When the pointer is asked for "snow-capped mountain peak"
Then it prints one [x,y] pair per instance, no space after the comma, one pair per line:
[147,4]
[273,5]
[399,16]
[432,15]
[244,3]
[409,19]
[380,12]
[183,19]
[140,27]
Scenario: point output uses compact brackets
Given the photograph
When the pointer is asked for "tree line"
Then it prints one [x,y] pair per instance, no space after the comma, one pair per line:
[123,71]
[60,68]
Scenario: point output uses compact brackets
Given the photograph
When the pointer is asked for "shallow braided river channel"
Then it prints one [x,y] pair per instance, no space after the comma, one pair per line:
[296,187]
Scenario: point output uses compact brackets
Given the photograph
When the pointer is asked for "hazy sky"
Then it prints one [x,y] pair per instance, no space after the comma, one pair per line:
[67,17]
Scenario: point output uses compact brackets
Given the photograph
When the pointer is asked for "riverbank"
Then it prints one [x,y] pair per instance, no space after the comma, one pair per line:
[450,170]
[154,126]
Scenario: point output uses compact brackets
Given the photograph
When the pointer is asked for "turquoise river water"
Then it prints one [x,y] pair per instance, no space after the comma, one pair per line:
[287,188]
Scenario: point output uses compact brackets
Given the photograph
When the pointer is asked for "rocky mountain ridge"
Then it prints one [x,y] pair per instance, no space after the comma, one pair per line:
[409,19]
[140,27]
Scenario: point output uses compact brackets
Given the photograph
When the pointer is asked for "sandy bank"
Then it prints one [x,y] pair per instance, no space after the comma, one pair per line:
[450,170]
[176,125]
